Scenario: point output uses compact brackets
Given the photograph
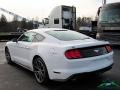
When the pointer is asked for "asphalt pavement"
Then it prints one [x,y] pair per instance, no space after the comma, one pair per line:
[14,77]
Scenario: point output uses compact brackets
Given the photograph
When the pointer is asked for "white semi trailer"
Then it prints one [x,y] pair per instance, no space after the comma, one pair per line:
[61,17]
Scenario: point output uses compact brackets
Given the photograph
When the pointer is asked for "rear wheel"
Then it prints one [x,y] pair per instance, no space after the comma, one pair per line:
[7,55]
[40,71]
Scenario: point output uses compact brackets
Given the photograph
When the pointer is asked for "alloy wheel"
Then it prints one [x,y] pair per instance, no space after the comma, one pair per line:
[40,70]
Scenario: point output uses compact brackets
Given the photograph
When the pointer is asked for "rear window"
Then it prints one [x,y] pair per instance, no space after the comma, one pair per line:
[67,35]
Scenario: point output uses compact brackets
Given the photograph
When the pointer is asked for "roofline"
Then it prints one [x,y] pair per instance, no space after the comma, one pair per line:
[47,29]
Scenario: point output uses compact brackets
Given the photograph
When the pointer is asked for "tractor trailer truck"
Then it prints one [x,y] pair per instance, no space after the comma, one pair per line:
[108,23]
[61,17]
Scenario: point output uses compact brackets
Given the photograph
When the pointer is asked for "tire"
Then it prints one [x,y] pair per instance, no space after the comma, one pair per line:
[40,71]
[7,55]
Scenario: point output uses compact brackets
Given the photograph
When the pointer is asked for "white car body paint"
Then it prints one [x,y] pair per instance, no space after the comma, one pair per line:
[52,50]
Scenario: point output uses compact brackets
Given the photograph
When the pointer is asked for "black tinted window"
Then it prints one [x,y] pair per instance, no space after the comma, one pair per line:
[110,16]
[56,21]
[28,37]
[67,21]
[67,35]
[65,9]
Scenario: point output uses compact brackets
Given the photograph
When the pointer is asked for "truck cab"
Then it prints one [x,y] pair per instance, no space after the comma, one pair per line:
[108,23]
[61,17]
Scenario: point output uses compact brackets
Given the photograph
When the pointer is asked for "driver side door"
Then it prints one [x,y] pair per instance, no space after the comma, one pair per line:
[23,48]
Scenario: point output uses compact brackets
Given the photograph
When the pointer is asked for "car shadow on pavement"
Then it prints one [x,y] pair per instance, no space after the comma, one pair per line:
[23,79]
[87,83]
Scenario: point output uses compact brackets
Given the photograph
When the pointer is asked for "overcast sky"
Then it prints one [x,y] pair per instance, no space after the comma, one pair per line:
[42,8]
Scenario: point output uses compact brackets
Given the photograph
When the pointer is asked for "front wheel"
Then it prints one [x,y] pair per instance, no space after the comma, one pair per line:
[40,71]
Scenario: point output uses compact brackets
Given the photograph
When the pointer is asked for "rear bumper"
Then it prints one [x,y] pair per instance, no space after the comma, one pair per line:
[86,65]
[85,74]
[90,73]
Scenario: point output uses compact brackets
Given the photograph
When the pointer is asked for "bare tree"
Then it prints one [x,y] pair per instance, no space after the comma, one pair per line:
[84,21]
[3,21]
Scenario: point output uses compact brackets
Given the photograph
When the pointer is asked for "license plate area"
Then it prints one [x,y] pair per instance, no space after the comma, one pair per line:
[93,51]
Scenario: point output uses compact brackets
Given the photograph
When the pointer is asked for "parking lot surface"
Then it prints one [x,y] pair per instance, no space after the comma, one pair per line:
[14,77]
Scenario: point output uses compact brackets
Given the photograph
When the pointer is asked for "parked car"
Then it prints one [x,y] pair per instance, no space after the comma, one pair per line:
[59,54]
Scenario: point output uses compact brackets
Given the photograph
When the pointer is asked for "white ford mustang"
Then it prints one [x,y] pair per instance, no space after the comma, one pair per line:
[59,54]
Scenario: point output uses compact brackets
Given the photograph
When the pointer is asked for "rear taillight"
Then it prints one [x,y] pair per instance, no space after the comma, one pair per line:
[108,47]
[73,54]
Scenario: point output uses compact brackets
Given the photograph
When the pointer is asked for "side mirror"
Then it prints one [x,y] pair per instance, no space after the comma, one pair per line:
[14,39]
[45,21]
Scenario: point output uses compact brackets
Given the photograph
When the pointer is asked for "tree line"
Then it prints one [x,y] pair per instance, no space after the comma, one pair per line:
[12,26]
[84,21]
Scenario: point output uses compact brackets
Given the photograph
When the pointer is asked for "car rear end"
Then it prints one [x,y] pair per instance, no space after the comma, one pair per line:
[80,56]
[78,61]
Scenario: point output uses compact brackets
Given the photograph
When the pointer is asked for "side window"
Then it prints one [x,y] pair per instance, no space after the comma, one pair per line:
[56,21]
[46,21]
[38,38]
[67,21]
[27,37]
